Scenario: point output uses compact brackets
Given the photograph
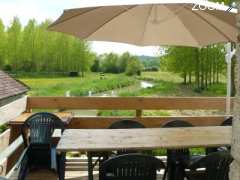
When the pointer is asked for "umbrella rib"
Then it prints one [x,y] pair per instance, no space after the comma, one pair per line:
[145,24]
[177,15]
[212,25]
[99,27]
[78,14]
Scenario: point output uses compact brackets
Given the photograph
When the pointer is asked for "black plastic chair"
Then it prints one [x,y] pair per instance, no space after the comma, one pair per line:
[40,152]
[130,167]
[216,165]
[226,122]
[103,156]
[177,159]
[126,124]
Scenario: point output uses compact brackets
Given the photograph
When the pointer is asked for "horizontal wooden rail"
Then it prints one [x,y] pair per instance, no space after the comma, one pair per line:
[9,151]
[127,103]
[150,122]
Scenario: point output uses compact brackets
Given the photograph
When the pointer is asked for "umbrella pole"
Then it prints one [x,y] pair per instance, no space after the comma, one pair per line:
[229,56]
[235,150]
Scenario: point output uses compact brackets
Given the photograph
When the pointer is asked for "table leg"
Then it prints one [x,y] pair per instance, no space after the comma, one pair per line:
[90,166]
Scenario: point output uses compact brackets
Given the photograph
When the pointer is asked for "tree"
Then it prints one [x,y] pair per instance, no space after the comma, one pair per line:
[96,66]
[29,48]
[123,61]
[109,63]
[134,66]
[13,43]
[205,64]
[2,45]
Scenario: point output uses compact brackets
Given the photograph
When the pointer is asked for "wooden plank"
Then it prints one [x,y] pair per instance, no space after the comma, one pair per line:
[10,149]
[15,132]
[12,110]
[4,139]
[127,103]
[150,122]
[141,139]
[138,113]
[49,175]
[65,116]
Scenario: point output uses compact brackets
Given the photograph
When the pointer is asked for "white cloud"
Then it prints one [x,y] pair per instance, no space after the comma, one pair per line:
[107,47]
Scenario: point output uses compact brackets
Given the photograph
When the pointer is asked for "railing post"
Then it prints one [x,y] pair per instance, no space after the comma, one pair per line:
[138,114]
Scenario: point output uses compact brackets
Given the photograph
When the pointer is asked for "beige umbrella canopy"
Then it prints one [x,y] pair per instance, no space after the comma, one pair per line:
[149,24]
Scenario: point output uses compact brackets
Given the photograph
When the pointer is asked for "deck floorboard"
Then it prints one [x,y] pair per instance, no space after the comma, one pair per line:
[48,175]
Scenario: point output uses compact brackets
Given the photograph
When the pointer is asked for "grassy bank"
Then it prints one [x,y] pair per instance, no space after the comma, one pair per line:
[170,84]
[57,86]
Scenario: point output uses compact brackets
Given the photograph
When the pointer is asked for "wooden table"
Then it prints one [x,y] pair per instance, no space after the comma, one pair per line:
[65,116]
[142,139]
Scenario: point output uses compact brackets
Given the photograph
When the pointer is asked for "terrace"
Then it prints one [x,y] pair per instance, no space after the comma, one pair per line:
[63,107]
[87,135]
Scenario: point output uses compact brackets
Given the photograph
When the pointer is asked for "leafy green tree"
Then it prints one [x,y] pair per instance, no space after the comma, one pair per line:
[123,61]
[134,67]
[13,44]
[2,45]
[29,48]
[109,63]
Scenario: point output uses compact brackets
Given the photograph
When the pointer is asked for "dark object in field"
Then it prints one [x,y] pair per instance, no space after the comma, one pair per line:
[102,75]
[73,74]
[216,164]
[40,151]
[130,167]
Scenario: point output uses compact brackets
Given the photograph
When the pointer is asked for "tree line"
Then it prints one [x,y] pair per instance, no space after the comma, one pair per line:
[113,63]
[35,49]
[203,67]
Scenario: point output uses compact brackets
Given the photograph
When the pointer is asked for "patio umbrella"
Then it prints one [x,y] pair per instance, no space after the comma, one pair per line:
[151,23]
[195,23]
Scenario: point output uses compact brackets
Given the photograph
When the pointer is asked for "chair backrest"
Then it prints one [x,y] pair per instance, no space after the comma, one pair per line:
[177,154]
[227,122]
[130,167]
[126,124]
[216,164]
[40,127]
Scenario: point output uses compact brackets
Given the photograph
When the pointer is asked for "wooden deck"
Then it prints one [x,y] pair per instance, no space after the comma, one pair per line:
[70,175]
[76,169]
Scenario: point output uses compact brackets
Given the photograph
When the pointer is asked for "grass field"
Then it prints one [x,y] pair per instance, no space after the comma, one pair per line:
[166,84]
[58,86]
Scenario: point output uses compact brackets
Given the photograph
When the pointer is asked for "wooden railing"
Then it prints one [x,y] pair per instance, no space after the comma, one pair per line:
[127,103]
[137,104]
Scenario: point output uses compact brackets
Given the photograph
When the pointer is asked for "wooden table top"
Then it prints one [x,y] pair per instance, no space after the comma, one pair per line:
[141,139]
[65,116]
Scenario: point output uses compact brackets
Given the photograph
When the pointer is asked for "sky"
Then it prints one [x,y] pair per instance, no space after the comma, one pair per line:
[52,9]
